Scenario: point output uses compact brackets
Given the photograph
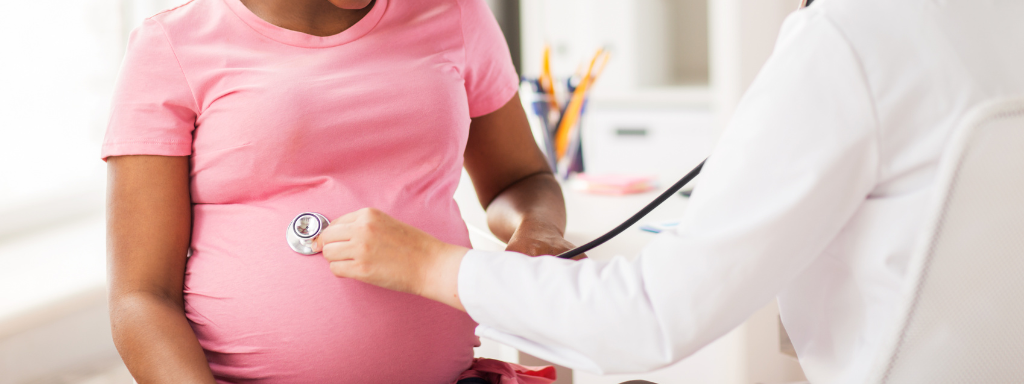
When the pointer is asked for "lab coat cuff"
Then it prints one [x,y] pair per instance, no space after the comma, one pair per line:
[470,293]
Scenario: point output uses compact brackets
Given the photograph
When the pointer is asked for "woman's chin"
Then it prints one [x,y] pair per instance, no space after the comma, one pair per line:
[351,4]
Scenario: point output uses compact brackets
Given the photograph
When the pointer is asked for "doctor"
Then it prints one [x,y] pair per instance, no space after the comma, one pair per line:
[815,195]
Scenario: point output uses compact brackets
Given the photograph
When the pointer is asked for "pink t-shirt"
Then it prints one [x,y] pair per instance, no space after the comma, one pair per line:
[278,122]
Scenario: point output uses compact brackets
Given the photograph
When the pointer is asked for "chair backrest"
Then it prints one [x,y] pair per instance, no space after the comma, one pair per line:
[964,316]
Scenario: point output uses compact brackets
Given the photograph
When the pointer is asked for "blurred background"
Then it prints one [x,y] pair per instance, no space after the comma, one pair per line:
[676,70]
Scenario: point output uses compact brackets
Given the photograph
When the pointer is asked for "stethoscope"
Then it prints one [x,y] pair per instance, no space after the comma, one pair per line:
[304,229]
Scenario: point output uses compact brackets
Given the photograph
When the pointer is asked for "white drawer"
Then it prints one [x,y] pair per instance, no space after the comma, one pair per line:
[646,141]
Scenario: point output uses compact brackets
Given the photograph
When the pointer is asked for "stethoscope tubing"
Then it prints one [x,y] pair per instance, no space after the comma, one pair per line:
[636,217]
[303,243]
[650,207]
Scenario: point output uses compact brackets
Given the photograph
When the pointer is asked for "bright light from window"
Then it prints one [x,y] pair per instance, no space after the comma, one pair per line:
[60,60]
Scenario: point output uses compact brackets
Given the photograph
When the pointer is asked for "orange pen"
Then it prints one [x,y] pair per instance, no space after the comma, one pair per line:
[573,111]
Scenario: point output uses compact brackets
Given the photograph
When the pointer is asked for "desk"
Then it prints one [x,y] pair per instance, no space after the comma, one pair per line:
[589,216]
[749,354]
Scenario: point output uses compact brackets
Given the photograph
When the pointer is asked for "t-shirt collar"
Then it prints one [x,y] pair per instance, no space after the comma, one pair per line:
[299,39]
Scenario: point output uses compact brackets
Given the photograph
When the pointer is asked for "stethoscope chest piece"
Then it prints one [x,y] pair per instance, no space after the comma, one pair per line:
[304,229]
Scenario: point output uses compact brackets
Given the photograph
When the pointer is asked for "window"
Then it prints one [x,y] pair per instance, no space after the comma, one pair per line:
[58,65]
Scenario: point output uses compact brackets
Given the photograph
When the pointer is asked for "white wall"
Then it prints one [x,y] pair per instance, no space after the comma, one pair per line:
[742,35]
[654,43]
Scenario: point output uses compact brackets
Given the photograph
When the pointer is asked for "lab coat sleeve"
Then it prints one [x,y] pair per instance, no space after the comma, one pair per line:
[789,171]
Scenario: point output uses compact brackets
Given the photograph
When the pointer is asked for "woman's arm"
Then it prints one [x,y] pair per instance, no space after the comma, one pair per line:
[149,223]
[514,183]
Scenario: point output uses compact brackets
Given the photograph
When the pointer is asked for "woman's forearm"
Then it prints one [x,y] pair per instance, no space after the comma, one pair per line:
[514,182]
[149,226]
[529,214]
[534,200]
[155,340]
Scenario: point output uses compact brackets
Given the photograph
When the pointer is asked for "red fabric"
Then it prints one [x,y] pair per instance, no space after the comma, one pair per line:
[500,372]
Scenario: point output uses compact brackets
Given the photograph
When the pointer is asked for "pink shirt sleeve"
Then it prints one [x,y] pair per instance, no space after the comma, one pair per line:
[153,111]
[491,79]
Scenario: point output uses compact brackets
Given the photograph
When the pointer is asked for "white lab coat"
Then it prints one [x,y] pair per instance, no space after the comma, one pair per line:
[815,194]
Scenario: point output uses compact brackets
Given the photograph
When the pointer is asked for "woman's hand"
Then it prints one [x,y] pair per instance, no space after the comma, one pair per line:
[372,247]
[535,239]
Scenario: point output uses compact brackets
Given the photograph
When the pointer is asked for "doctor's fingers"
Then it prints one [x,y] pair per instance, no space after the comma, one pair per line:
[354,269]
[342,231]
[386,275]
[367,213]
[343,268]
[349,217]
[346,250]
[337,231]
[351,225]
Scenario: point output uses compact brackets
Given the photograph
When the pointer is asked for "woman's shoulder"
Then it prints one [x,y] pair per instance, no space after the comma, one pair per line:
[189,18]
[178,10]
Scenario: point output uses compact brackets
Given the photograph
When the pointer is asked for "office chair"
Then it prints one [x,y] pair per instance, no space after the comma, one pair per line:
[963,321]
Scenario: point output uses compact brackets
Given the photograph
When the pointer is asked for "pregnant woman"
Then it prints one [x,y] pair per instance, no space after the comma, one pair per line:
[230,117]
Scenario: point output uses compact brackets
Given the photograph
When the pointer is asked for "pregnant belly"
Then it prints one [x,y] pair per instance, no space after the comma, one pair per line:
[265,314]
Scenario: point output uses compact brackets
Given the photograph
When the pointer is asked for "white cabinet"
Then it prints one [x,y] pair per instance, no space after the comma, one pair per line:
[666,141]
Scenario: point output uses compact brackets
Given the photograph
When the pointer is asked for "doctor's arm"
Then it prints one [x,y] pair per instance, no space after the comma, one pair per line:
[798,159]
[514,183]
[796,162]
[149,221]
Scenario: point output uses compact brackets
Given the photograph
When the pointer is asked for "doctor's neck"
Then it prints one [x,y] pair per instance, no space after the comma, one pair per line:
[313,17]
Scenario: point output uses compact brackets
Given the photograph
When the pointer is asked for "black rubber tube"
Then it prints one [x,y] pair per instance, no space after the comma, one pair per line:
[636,217]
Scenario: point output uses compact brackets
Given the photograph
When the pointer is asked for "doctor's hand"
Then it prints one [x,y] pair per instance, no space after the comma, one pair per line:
[372,247]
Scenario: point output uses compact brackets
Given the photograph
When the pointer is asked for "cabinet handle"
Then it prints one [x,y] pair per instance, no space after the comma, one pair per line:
[631,132]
